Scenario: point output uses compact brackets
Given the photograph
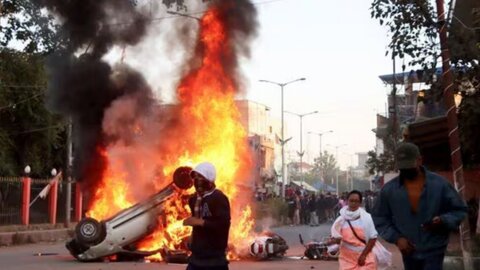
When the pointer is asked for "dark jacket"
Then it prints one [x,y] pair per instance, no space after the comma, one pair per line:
[209,242]
[312,205]
[393,217]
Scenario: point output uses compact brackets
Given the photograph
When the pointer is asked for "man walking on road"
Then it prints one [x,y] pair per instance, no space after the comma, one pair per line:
[417,210]
[210,221]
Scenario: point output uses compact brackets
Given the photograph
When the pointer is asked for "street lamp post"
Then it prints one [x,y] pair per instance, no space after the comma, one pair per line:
[320,149]
[351,172]
[320,139]
[336,169]
[282,140]
[27,170]
[301,140]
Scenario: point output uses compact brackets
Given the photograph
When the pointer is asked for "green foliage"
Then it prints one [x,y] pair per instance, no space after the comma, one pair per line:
[380,163]
[383,162]
[469,124]
[24,22]
[412,28]
[30,134]
[180,4]
[323,168]
[414,32]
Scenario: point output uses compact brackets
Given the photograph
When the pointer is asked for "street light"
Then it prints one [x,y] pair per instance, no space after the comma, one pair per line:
[301,140]
[282,139]
[320,148]
[336,169]
[27,170]
[320,139]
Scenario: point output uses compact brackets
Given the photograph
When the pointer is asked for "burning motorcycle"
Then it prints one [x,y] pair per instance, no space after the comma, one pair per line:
[320,250]
[268,246]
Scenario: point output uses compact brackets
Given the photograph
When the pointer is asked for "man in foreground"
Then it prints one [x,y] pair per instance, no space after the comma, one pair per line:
[417,210]
[210,221]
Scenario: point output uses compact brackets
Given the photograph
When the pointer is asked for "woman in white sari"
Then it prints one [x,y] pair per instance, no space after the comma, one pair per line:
[355,232]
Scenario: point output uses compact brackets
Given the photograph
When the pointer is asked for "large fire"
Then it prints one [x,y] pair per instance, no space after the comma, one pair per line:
[207,128]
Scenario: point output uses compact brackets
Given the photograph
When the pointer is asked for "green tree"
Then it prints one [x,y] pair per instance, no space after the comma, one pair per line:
[379,163]
[469,124]
[25,24]
[323,168]
[30,134]
[413,30]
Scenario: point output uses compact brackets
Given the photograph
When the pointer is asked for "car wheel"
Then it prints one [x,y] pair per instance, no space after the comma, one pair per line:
[182,179]
[89,231]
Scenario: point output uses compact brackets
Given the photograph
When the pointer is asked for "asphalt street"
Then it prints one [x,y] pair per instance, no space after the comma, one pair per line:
[54,256]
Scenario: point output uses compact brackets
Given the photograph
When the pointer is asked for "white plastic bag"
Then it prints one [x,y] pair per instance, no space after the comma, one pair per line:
[383,256]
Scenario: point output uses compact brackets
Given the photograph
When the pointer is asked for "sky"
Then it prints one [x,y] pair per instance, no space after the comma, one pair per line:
[335,45]
[340,51]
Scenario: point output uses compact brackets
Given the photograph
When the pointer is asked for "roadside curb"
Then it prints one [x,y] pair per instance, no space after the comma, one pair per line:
[30,237]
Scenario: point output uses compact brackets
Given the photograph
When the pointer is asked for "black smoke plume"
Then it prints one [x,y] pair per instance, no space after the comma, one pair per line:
[81,84]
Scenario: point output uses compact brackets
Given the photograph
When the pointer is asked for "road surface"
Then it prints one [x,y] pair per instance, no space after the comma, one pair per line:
[56,257]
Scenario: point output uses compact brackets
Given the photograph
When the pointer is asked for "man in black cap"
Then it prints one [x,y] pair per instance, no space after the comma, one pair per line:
[417,210]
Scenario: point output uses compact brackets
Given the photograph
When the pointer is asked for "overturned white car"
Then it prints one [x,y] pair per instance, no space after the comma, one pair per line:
[119,234]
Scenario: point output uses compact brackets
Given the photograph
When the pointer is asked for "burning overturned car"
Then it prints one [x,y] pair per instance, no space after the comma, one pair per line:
[118,235]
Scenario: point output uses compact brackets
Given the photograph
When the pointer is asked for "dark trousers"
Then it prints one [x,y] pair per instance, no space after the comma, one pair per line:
[194,267]
[434,262]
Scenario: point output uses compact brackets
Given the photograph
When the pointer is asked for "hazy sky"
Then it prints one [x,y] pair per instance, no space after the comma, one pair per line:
[341,52]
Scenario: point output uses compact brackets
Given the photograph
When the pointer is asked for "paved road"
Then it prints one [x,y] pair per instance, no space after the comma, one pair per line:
[26,257]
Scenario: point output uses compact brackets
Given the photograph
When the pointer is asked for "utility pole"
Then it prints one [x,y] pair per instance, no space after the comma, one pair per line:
[394,101]
[320,140]
[283,141]
[301,152]
[68,202]
[337,167]
[454,140]
[351,172]
[320,147]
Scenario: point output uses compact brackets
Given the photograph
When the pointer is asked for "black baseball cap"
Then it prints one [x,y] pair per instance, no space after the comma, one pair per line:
[407,155]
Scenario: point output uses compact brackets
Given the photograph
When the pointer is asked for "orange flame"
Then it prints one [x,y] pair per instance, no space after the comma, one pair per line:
[207,128]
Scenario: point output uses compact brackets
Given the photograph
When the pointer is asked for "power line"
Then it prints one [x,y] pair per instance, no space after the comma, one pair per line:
[266,2]
[21,86]
[156,19]
[464,25]
[37,129]
[20,102]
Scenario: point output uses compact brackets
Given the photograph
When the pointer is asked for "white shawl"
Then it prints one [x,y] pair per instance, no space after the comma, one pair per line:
[383,256]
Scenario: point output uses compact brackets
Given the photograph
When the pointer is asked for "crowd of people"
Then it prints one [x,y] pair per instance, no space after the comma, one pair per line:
[314,209]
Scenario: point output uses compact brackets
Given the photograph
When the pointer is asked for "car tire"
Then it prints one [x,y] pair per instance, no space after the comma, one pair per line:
[182,178]
[89,231]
